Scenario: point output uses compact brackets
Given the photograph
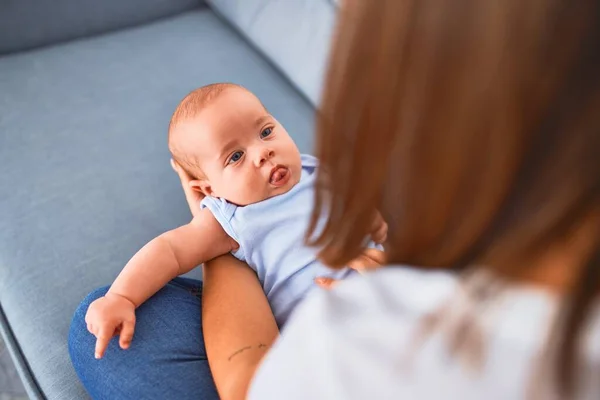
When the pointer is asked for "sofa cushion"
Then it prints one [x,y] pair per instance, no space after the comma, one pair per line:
[85,178]
[30,23]
[294,35]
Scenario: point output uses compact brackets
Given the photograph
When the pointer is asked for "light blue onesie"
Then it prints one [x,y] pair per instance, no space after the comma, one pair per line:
[271,238]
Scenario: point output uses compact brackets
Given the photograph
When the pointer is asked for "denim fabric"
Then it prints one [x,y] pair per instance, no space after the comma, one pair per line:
[166,360]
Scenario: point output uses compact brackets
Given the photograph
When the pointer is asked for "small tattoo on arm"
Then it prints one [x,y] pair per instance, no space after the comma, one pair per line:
[243,349]
[235,353]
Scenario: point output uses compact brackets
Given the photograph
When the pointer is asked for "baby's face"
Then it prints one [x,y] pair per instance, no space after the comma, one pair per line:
[246,156]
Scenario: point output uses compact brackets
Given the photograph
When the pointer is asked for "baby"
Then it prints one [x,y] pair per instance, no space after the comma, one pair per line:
[258,199]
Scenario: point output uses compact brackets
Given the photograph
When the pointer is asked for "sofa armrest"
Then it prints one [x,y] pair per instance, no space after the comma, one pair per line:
[294,35]
[25,24]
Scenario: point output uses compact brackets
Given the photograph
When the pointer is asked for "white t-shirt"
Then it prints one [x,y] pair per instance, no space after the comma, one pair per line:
[361,341]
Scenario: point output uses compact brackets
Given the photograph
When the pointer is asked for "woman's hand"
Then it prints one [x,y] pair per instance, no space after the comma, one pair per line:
[192,196]
[379,229]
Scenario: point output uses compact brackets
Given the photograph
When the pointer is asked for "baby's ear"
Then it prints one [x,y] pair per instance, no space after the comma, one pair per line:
[201,186]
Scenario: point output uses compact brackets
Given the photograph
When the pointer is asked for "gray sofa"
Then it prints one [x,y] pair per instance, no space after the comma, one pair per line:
[86,91]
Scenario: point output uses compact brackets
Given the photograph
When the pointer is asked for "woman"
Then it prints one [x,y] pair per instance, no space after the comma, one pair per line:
[481,153]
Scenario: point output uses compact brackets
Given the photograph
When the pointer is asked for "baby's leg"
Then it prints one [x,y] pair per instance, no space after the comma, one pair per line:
[166,360]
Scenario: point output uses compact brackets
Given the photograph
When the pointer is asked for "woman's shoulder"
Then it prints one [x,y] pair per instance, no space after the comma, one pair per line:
[366,336]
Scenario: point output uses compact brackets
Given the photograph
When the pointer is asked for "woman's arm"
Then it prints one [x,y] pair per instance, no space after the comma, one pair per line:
[237,321]
[238,324]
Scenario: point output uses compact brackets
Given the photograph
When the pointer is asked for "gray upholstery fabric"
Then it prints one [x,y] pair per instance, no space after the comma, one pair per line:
[85,178]
[295,35]
[29,23]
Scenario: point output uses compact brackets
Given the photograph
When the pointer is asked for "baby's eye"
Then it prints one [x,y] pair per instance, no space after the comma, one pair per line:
[235,157]
[266,132]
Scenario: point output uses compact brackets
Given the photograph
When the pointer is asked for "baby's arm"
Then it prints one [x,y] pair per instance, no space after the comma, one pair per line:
[171,254]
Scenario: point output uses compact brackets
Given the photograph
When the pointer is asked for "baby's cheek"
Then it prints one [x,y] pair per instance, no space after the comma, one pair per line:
[244,189]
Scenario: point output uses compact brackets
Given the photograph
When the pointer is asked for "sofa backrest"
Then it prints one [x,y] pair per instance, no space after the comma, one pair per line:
[294,35]
[26,24]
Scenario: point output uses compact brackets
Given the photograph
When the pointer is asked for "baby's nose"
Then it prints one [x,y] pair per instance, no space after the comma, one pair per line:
[264,156]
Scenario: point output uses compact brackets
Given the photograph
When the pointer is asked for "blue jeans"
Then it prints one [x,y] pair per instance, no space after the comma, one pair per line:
[166,360]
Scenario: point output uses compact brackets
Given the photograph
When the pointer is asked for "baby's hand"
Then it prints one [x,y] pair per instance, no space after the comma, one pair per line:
[109,316]
[379,229]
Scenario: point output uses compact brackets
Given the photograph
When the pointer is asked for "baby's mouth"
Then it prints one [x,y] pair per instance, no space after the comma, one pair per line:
[280,175]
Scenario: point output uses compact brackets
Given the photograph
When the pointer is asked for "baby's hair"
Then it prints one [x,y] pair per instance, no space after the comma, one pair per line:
[188,108]
[197,99]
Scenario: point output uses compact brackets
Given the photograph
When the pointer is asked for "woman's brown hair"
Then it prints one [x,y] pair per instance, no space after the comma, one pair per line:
[474,128]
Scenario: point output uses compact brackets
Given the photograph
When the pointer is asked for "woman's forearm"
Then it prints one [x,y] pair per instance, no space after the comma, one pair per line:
[237,323]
